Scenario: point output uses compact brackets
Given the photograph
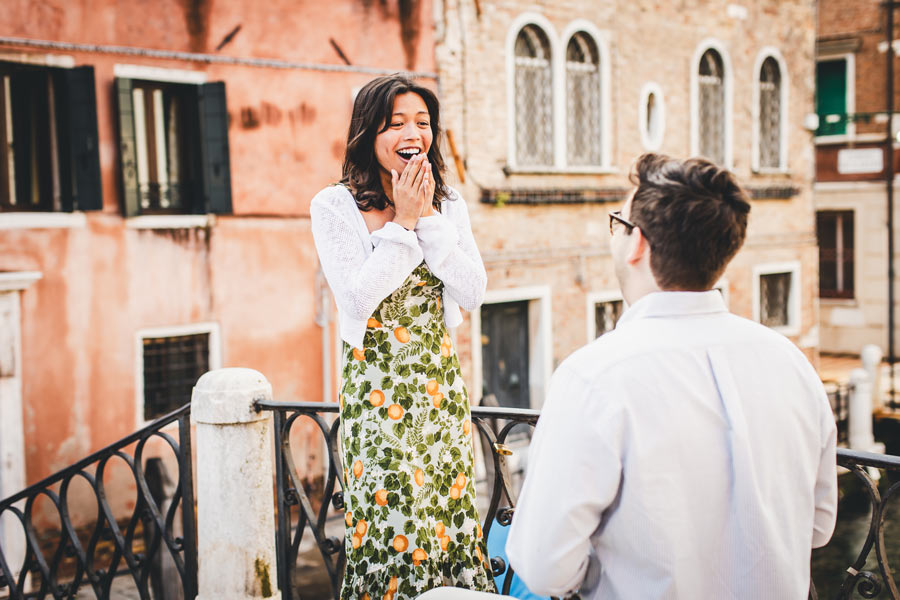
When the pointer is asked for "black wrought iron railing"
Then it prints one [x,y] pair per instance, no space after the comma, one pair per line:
[159,533]
[870,574]
[839,398]
[152,546]
[299,514]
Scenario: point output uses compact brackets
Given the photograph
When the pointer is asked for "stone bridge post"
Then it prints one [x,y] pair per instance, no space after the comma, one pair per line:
[235,503]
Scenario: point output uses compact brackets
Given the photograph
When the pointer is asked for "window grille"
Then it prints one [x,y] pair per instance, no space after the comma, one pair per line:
[834,230]
[774,299]
[533,98]
[583,120]
[161,144]
[712,107]
[770,114]
[172,365]
[606,315]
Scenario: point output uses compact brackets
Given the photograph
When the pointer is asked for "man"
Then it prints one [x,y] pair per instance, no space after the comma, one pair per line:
[689,453]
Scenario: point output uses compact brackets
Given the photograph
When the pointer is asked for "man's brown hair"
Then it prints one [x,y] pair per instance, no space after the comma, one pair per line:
[694,216]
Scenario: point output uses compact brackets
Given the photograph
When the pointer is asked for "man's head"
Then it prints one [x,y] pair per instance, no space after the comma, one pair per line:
[683,223]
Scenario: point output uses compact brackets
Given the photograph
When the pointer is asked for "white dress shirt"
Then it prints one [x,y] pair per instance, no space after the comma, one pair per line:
[362,269]
[690,451]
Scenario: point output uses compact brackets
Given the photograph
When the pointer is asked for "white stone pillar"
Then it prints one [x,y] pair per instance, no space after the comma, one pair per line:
[871,356]
[860,411]
[12,429]
[235,503]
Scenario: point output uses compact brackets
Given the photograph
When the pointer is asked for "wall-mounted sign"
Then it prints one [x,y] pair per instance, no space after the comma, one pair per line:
[860,160]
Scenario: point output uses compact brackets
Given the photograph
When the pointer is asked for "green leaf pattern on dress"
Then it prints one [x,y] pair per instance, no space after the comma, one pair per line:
[408,460]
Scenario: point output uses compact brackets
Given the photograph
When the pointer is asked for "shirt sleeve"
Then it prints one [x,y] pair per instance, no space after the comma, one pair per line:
[360,282]
[826,492]
[452,255]
[573,476]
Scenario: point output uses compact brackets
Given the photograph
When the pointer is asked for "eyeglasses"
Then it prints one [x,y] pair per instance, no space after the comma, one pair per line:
[616,215]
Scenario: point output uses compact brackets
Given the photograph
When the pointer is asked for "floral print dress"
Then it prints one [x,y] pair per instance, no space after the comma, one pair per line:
[407,452]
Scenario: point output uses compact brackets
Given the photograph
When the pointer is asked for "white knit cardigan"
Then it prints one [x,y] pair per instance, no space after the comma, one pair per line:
[363,269]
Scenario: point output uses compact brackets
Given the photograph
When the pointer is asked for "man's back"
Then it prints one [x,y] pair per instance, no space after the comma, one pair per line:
[703,446]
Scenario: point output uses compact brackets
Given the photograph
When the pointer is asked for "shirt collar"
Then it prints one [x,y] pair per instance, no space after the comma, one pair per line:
[674,304]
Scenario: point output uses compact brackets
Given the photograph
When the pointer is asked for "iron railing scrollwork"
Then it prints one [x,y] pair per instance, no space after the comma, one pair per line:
[137,545]
[859,580]
[296,511]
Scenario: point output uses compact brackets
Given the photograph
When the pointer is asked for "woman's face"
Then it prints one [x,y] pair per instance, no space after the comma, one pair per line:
[408,133]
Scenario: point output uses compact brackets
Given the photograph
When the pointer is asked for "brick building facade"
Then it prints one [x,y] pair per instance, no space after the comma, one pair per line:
[548,104]
[850,188]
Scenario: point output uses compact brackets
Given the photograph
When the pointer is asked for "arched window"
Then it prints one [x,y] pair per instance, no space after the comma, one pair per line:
[583,108]
[711,113]
[533,97]
[770,114]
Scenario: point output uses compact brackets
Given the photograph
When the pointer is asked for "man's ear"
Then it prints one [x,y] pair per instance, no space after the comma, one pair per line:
[639,246]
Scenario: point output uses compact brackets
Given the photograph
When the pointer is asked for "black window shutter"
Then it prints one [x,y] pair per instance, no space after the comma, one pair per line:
[87,193]
[215,169]
[127,148]
[21,85]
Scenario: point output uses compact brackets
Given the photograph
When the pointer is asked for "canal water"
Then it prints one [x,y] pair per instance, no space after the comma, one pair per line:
[829,564]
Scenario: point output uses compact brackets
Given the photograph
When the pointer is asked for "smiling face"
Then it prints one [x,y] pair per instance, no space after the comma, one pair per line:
[407,135]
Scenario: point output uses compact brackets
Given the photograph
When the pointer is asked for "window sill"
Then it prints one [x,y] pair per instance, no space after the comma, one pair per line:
[42,220]
[170,221]
[508,170]
[771,171]
[16,281]
[787,330]
[844,138]
[848,302]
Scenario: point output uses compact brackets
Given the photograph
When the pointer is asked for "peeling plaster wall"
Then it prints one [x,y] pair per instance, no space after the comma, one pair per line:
[253,273]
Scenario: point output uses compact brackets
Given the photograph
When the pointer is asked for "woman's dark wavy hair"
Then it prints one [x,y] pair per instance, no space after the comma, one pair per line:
[372,110]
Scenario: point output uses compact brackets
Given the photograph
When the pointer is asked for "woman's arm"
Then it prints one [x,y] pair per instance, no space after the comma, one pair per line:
[452,255]
[359,282]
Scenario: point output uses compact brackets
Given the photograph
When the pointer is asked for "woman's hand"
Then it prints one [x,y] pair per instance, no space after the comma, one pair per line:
[428,191]
[410,191]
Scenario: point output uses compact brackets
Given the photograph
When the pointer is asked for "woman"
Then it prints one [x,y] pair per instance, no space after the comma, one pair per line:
[397,250]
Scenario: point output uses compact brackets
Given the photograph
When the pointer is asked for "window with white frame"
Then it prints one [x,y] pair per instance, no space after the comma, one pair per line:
[603,312]
[606,315]
[711,109]
[173,145]
[651,116]
[770,109]
[512,347]
[533,97]
[776,301]
[583,103]
[49,158]
[171,360]
[834,231]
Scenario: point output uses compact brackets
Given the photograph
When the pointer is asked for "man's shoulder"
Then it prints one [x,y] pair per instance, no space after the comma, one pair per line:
[643,337]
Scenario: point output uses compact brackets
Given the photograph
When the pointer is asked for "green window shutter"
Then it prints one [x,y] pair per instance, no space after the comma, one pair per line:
[215,165]
[831,96]
[127,148]
[81,96]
